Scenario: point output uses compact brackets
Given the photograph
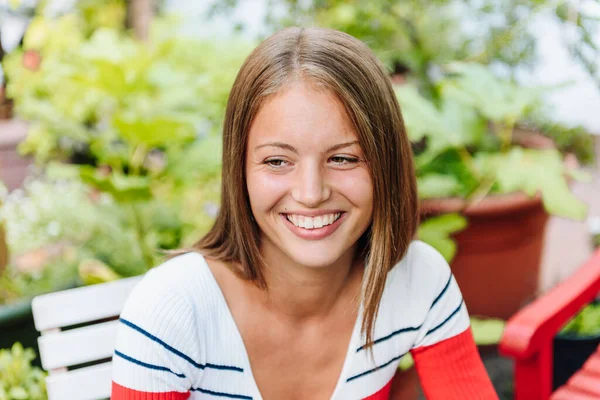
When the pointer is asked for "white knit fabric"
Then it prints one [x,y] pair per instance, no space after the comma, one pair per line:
[177,333]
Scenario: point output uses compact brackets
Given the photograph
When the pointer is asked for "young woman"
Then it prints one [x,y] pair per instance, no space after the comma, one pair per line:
[309,285]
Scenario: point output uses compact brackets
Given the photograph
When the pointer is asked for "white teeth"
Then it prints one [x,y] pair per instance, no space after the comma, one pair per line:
[318,222]
[313,222]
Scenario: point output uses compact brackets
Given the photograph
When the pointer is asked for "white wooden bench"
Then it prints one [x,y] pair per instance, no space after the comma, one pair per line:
[78,328]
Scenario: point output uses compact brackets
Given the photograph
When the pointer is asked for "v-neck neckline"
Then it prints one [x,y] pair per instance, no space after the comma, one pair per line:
[246,358]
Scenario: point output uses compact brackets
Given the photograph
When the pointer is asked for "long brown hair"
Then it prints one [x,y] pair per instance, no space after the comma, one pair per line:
[345,66]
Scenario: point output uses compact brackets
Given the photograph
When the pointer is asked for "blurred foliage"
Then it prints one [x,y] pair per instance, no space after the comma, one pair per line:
[437,231]
[585,323]
[422,34]
[135,127]
[570,139]
[33,277]
[19,380]
[468,146]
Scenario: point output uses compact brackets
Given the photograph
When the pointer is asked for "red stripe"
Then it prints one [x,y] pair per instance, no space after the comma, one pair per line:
[122,393]
[383,394]
[452,370]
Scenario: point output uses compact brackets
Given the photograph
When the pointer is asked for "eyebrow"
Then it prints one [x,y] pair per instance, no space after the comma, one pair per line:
[291,148]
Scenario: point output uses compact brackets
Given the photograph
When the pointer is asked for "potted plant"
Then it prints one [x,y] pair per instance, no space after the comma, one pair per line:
[19,379]
[575,343]
[470,164]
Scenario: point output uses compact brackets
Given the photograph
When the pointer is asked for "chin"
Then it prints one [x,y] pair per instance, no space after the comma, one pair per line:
[312,257]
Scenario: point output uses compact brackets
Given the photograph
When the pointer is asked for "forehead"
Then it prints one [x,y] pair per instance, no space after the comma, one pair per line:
[302,113]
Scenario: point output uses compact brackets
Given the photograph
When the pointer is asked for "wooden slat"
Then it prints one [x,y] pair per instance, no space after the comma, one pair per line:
[78,346]
[80,305]
[91,383]
[592,365]
[567,393]
[585,382]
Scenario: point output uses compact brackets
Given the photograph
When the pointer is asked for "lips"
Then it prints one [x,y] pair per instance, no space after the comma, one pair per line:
[315,222]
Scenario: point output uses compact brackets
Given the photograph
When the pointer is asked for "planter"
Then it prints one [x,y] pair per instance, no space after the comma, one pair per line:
[570,353]
[6,106]
[406,384]
[16,325]
[497,263]
[13,166]
[571,349]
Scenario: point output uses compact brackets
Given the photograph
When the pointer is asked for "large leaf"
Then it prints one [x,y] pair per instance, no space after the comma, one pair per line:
[436,231]
[487,331]
[533,171]
[497,99]
[153,132]
[436,185]
[122,187]
[454,124]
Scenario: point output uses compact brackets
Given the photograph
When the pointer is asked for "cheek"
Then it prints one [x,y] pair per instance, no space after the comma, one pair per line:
[357,188]
[265,189]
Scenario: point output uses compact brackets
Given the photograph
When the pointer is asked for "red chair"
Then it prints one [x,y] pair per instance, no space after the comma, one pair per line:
[529,335]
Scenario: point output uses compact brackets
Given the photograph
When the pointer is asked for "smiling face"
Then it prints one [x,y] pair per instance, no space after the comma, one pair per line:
[309,185]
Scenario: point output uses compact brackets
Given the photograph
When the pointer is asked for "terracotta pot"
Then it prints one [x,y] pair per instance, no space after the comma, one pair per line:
[13,166]
[406,385]
[499,254]
[497,263]
[6,106]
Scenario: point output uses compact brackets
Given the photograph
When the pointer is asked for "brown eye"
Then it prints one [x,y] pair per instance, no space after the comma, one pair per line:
[275,162]
[343,160]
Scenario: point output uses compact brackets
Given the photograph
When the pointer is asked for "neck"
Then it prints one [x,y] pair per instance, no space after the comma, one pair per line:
[301,293]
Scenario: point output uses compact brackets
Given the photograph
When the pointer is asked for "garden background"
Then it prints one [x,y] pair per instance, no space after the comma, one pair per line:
[110,141]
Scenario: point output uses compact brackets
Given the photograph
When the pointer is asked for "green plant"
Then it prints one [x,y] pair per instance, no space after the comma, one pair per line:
[19,380]
[139,123]
[585,323]
[465,147]
[421,35]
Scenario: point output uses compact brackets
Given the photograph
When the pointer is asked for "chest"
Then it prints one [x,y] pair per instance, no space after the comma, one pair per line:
[297,363]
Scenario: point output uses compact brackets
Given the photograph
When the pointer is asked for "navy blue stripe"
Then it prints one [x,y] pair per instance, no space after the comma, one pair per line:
[177,352]
[375,369]
[442,292]
[412,328]
[383,339]
[146,365]
[447,319]
[220,394]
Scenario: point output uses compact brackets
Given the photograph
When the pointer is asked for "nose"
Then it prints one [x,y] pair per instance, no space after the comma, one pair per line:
[311,187]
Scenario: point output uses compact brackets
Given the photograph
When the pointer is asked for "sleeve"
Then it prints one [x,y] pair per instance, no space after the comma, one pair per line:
[156,353]
[445,354]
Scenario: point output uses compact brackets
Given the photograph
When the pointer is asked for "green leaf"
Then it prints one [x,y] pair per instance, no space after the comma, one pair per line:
[94,271]
[453,125]
[155,132]
[18,393]
[199,161]
[497,99]
[533,171]
[122,187]
[406,362]
[437,185]
[487,331]
[436,232]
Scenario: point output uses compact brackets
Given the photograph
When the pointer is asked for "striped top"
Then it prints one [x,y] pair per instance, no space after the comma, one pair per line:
[178,340]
